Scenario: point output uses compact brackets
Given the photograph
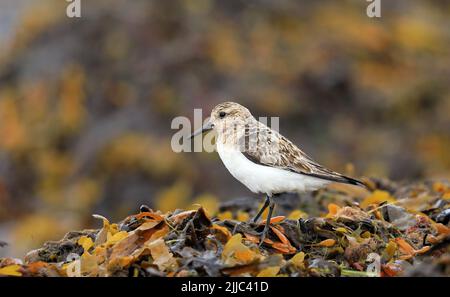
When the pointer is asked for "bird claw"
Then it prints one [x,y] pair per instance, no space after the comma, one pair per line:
[271,205]
[263,235]
[261,242]
[236,228]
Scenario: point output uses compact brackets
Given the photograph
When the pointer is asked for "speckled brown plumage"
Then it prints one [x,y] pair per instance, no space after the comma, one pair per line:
[264,146]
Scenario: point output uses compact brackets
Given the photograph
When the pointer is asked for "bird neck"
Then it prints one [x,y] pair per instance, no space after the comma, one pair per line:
[232,133]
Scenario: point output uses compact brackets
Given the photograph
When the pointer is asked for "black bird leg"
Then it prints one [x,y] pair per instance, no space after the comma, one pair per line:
[263,208]
[266,227]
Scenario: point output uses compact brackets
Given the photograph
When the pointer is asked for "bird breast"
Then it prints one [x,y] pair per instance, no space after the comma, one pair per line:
[265,179]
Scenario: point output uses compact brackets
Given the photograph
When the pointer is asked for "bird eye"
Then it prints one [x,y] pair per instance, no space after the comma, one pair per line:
[222,114]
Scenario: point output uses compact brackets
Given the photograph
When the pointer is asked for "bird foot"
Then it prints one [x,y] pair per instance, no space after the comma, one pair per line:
[262,235]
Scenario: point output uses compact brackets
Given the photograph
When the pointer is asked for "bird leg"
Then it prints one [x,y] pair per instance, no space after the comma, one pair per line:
[263,208]
[266,227]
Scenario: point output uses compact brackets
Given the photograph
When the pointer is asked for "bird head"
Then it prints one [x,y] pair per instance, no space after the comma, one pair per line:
[225,117]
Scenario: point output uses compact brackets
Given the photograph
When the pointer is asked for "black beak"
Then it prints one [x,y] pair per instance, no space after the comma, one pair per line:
[206,127]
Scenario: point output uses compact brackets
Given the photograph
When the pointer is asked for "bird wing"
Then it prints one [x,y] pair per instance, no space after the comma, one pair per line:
[264,146]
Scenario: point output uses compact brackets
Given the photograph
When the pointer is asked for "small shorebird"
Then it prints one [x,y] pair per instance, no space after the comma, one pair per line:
[264,160]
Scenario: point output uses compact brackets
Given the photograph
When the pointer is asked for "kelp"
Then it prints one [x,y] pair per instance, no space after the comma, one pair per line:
[403,231]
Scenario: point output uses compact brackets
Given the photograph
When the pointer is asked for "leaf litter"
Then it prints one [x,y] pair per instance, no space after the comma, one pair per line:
[398,231]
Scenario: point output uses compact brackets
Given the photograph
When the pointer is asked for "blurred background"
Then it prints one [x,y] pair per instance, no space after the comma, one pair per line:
[86,104]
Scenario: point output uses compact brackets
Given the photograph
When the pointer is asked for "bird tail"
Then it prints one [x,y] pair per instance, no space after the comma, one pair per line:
[352,181]
[340,178]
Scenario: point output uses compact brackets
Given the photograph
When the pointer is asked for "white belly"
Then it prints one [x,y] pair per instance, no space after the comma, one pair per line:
[265,179]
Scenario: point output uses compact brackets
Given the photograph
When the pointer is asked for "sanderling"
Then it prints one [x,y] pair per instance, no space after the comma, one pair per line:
[264,160]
